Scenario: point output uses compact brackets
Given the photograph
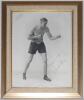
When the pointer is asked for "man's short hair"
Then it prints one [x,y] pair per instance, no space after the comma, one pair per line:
[44,19]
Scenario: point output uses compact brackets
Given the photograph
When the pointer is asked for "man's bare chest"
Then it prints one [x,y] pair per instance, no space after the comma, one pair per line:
[39,31]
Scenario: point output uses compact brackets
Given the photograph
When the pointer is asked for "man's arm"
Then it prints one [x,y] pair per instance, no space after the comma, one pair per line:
[50,35]
[31,36]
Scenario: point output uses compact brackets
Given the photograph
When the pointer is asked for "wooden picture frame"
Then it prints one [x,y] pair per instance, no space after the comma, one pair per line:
[76,91]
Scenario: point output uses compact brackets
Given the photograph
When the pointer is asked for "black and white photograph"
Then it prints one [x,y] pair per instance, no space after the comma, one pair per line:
[42,49]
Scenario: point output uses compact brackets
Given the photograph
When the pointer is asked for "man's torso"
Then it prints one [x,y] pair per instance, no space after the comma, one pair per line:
[39,32]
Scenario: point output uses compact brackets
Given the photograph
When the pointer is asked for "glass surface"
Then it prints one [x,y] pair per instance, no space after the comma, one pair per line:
[59,52]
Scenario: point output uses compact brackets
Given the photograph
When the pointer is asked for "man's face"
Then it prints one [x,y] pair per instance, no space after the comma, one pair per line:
[43,23]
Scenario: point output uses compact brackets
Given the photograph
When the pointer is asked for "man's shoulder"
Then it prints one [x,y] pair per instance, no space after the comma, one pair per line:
[36,27]
[47,29]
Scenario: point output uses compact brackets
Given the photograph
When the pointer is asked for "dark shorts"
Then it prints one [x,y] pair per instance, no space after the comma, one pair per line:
[37,47]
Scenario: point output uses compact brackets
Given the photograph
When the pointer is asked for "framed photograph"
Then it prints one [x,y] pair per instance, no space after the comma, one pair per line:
[42,50]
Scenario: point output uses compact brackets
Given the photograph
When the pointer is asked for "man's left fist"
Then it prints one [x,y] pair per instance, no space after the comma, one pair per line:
[59,36]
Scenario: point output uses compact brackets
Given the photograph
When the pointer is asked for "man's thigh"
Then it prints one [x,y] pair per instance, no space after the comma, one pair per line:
[33,48]
[42,48]
[30,56]
[44,57]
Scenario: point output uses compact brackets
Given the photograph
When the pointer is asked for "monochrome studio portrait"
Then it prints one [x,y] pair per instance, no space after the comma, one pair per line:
[42,49]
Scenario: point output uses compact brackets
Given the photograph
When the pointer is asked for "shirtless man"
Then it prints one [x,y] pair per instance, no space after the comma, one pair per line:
[37,44]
